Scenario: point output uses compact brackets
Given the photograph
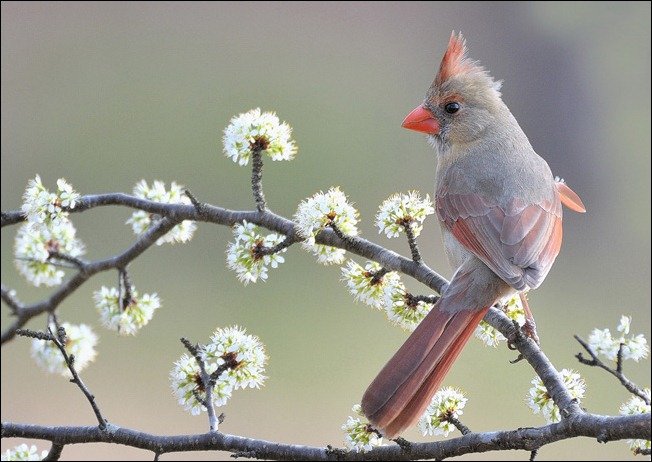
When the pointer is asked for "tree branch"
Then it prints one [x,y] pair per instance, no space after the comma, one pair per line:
[575,421]
[146,240]
[392,261]
[602,428]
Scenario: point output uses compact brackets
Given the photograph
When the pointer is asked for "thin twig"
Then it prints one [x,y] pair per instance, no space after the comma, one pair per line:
[207,382]
[338,232]
[257,179]
[126,289]
[74,261]
[432,299]
[55,452]
[199,206]
[378,276]
[597,362]
[464,430]
[404,444]
[55,263]
[412,241]
[59,340]
[284,244]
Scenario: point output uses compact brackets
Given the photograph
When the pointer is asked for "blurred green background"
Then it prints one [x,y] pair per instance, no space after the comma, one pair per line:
[107,94]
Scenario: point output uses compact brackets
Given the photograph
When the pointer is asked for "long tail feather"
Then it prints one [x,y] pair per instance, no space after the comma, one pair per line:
[400,393]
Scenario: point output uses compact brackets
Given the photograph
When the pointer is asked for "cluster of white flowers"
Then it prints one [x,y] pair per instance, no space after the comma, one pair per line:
[243,255]
[140,220]
[261,131]
[321,211]
[326,255]
[634,406]
[80,342]
[603,343]
[188,386]
[401,210]
[241,355]
[34,247]
[540,401]
[358,435]
[513,308]
[130,319]
[48,231]
[447,403]
[40,206]
[24,452]
[386,292]
[403,310]
[367,288]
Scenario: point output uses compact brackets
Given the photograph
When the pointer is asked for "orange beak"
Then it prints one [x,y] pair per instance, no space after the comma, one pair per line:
[421,120]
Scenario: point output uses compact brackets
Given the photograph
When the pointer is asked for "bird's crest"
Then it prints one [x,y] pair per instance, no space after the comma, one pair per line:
[455,61]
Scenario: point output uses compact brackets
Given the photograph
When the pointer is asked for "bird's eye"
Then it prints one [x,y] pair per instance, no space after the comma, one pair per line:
[452,108]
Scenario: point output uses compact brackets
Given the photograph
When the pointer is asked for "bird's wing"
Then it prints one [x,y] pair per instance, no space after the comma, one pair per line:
[519,242]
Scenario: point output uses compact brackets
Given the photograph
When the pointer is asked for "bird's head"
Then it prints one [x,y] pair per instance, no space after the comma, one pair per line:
[462,101]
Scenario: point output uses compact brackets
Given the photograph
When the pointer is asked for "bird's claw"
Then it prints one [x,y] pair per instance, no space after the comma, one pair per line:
[529,329]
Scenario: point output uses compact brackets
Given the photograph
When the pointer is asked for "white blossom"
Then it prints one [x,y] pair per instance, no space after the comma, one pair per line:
[244,355]
[402,308]
[635,406]
[400,210]
[321,211]
[358,434]
[255,130]
[133,317]
[80,342]
[40,206]
[242,358]
[24,452]
[365,287]
[243,254]
[513,308]
[326,254]
[447,402]
[634,347]
[187,385]
[34,245]
[541,402]
[624,324]
[141,221]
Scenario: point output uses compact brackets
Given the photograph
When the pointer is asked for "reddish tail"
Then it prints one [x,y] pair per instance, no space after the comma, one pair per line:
[400,393]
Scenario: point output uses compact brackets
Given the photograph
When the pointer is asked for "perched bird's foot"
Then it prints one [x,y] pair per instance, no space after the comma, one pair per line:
[516,335]
[529,329]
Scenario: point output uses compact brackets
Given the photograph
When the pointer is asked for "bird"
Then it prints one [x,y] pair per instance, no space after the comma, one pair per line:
[500,211]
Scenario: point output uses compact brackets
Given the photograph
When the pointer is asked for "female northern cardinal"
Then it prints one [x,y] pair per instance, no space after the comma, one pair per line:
[500,210]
